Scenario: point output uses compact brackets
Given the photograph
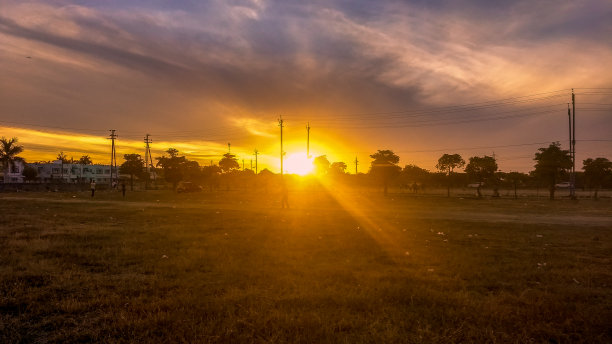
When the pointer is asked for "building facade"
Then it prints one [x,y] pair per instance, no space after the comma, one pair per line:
[61,172]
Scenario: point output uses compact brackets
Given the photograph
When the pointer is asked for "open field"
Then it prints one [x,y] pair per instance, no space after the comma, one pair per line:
[337,267]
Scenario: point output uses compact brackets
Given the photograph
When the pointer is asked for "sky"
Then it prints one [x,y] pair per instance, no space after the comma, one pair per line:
[421,78]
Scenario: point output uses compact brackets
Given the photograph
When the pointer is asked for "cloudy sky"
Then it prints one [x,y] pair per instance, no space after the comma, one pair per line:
[422,78]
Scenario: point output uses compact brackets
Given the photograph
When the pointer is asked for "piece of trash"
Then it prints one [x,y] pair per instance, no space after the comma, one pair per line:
[441,233]
[357,228]
[539,235]
[407,253]
[73,196]
[225,234]
[430,270]
[164,256]
[469,235]
[445,240]
[575,280]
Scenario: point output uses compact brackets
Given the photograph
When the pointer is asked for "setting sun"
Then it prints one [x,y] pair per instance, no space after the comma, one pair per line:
[298,163]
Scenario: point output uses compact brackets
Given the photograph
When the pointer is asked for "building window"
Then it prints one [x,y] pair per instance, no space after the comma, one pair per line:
[99,171]
[56,170]
[107,171]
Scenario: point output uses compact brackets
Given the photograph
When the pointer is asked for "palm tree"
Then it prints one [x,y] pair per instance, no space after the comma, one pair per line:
[8,154]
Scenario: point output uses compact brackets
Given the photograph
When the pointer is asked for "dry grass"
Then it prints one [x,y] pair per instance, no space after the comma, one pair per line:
[229,267]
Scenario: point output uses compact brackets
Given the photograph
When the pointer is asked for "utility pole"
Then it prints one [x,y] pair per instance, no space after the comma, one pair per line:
[573,151]
[256,153]
[308,140]
[569,120]
[148,158]
[243,164]
[229,148]
[251,164]
[113,164]
[356,163]
[280,124]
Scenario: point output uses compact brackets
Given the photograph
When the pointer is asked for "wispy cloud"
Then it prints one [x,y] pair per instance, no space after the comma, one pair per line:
[184,65]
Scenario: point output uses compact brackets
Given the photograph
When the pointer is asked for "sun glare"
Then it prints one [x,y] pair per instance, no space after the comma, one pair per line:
[298,163]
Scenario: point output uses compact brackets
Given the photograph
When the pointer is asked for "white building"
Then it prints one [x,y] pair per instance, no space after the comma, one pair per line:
[66,172]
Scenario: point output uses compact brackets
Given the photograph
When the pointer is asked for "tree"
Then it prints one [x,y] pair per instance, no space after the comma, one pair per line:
[337,168]
[228,163]
[447,163]
[321,164]
[595,171]
[551,163]
[29,173]
[85,160]
[516,178]
[172,166]
[64,160]
[8,154]
[483,170]
[384,166]
[133,165]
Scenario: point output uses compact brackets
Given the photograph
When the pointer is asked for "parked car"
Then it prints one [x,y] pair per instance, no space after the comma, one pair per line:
[188,187]
[563,185]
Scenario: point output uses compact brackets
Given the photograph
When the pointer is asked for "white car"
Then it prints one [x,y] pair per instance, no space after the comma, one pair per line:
[563,185]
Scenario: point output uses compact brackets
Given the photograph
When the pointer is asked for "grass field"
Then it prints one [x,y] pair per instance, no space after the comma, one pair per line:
[338,267]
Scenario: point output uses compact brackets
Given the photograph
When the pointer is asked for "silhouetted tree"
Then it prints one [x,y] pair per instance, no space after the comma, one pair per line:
[414,174]
[85,160]
[171,166]
[595,171]
[8,154]
[384,166]
[63,158]
[29,173]
[516,178]
[482,169]
[447,163]
[228,163]
[337,168]
[321,164]
[551,163]
[134,166]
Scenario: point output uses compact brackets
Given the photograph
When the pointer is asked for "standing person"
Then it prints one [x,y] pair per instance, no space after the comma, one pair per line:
[93,187]
[123,188]
[285,194]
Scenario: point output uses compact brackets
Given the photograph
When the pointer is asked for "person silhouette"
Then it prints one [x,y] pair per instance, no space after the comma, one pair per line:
[284,194]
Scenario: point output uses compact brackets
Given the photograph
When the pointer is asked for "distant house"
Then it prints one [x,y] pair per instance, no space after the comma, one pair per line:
[66,172]
[13,175]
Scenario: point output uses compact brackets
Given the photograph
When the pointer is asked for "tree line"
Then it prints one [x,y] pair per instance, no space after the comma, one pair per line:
[552,165]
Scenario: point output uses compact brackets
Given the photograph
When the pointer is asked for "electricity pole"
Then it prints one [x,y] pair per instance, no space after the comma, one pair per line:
[229,148]
[113,164]
[256,153]
[573,151]
[308,140]
[356,163]
[243,164]
[280,124]
[148,157]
